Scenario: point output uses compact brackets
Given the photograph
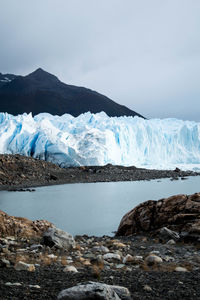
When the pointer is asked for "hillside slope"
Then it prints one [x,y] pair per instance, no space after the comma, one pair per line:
[41,91]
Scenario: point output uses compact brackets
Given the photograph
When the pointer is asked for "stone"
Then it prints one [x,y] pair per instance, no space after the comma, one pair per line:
[119,244]
[89,255]
[171,242]
[4,263]
[168,258]
[153,259]
[165,234]
[86,262]
[70,269]
[52,256]
[181,269]
[128,259]
[132,259]
[100,249]
[13,284]
[137,259]
[36,286]
[94,291]
[59,238]
[180,213]
[155,252]
[36,247]
[147,288]
[22,266]
[70,261]
[109,256]
[22,250]
[119,266]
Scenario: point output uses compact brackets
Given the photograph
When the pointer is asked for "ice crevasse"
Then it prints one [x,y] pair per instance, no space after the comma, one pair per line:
[96,139]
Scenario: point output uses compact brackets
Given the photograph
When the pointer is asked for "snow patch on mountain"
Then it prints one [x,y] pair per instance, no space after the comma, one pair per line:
[5,79]
[96,139]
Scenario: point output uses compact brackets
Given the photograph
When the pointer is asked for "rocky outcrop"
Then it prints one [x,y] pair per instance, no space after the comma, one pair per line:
[180,213]
[22,227]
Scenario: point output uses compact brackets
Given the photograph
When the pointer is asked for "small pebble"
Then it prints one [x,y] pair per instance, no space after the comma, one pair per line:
[70,269]
[171,242]
[153,259]
[111,256]
[34,286]
[52,256]
[147,288]
[13,284]
[181,269]
[22,266]
[119,266]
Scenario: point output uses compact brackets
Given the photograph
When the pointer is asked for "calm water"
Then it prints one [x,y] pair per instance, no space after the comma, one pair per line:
[93,208]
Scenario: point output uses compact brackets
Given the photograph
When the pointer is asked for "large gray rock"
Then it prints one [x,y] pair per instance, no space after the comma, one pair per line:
[59,238]
[95,291]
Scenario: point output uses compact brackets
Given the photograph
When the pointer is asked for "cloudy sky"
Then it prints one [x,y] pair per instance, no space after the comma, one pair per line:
[144,54]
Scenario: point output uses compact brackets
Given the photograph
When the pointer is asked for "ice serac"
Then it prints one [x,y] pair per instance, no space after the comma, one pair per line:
[96,139]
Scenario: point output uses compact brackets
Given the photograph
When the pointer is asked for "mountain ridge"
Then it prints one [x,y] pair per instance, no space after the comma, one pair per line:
[41,91]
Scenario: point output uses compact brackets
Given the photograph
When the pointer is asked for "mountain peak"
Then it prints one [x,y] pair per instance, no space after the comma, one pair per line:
[39,70]
[41,91]
[41,75]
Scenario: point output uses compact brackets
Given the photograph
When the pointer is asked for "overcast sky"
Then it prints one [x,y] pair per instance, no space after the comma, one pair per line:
[144,54]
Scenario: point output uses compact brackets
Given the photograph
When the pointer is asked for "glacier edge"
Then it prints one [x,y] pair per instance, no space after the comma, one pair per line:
[96,139]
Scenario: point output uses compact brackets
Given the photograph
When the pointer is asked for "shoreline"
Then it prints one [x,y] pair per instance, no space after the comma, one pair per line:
[22,172]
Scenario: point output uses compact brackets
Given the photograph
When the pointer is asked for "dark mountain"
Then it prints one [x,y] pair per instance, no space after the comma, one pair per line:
[5,78]
[41,91]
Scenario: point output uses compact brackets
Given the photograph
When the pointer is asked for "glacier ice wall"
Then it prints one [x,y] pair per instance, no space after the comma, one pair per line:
[96,139]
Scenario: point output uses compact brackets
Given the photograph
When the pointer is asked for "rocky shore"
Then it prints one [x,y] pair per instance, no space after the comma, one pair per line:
[40,261]
[19,172]
[148,268]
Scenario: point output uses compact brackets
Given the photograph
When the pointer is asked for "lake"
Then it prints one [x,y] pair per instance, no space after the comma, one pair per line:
[91,208]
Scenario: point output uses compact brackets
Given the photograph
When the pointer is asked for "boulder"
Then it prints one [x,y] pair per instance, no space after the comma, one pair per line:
[94,291]
[180,213]
[59,238]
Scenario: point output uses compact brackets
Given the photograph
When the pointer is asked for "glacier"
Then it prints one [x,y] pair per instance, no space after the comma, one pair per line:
[96,139]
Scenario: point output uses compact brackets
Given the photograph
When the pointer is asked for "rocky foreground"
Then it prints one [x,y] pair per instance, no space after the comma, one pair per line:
[18,171]
[39,261]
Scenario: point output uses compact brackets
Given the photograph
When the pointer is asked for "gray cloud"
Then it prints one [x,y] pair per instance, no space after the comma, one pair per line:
[143,54]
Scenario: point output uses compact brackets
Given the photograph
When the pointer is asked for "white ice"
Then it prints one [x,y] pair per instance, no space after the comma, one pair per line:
[96,139]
